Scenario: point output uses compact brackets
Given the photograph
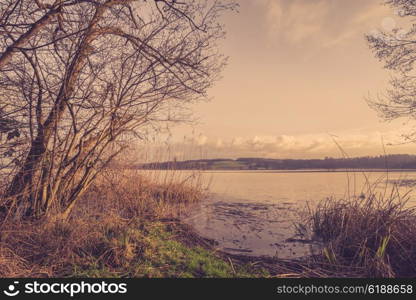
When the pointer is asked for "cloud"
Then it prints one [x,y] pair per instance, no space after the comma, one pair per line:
[321,22]
[295,21]
[363,22]
[299,146]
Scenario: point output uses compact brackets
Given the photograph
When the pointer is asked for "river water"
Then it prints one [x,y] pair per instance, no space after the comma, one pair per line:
[256,213]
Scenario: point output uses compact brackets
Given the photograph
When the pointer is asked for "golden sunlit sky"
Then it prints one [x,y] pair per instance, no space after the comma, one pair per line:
[298,75]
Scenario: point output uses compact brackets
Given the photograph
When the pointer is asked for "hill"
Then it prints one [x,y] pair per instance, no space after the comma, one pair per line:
[396,161]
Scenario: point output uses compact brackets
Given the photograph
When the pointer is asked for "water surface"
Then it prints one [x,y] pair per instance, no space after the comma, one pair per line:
[255,213]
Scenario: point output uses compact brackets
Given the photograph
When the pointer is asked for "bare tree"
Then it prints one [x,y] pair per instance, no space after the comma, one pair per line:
[79,79]
[397,50]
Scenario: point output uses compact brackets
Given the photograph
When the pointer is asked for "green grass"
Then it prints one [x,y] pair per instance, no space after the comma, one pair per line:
[150,250]
[229,165]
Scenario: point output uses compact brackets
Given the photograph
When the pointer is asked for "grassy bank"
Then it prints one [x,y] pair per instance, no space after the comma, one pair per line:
[125,226]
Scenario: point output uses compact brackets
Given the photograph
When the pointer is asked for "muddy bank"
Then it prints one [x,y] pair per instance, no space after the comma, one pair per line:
[306,267]
[254,229]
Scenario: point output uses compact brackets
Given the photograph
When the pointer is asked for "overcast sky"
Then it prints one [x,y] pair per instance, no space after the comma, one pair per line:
[298,75]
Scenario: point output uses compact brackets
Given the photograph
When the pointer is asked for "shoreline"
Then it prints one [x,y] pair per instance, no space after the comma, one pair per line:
[130,227]
[305,267]
[274,266]
[291,171]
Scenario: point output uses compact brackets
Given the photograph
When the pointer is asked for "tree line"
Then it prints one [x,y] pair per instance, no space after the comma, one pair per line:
[399,161]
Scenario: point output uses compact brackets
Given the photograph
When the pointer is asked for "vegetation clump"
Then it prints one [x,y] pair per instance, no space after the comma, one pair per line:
[124,226]
[373,235]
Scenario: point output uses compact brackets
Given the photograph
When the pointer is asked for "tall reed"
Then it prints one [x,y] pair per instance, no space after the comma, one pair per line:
[372,234]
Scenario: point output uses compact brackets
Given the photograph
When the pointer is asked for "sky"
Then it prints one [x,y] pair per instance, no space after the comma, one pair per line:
[296,84]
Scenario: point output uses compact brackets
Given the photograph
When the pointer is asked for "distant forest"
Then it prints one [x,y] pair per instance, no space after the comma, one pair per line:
[398,161]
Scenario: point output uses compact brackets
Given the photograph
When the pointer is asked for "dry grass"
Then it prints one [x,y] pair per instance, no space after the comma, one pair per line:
[115,231]
[133,193]
[372,235]
[102,229]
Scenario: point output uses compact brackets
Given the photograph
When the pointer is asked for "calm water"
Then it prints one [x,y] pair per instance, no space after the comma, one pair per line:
[254,213]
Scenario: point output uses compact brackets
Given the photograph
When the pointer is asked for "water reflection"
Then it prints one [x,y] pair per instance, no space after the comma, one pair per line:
[256,213]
